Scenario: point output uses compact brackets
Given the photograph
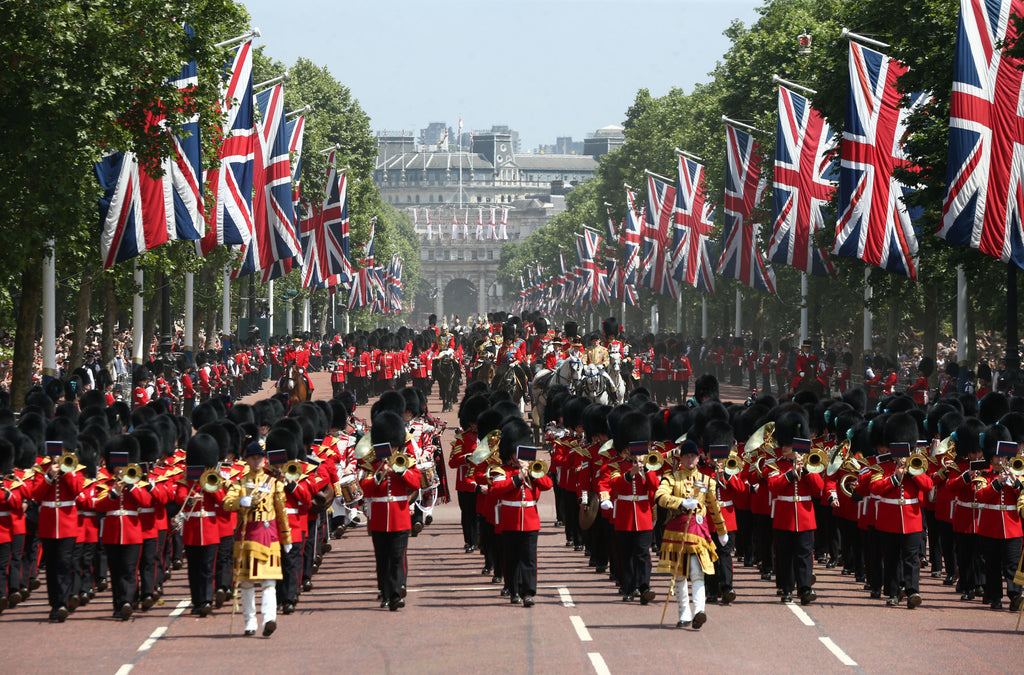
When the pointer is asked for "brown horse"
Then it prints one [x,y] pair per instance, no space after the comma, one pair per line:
[293,383]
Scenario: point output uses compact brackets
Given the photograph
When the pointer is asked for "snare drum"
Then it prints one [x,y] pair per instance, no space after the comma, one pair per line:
[350,490]
[428,475]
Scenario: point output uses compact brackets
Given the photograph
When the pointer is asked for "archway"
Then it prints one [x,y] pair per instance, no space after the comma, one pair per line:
[460,297]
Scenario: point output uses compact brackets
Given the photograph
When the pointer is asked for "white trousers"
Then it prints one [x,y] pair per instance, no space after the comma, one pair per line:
[268,602]
[683,594]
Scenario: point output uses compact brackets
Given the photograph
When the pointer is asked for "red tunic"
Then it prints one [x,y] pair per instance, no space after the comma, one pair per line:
[387,502]
[793,506]
[517,502]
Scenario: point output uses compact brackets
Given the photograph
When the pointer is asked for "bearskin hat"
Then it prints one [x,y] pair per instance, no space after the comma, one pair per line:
[992,407]
[122,443]
[789,425]
[571,329]
[631,427]
[388,427]
[202,450]
[610,327]
[149,444]
[705,387]
[900,427]
[926,366]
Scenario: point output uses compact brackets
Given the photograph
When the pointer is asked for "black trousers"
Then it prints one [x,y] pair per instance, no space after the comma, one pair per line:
[162,558]
[902,562]
[826,537]
[149,567]
[291,573]
[795,552]
[600,540]
[520,562]
[489,545]
[224,561]
[1001,559]
[559,505]
[968,559]
[723,577]
[853,551]
[5,564]
[57,554]
[764,538]
[874,560]
[467,506]
[389,551]
[310,547]
[29,557]
[86,566]
[571,517]
[635,555]
[744,535]
[123,560]
[947,542]
[202,562]
[934,540]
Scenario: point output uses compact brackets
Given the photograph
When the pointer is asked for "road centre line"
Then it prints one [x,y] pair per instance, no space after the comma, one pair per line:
[805,619]
[597,661]
[563,593]
[837,652]
[151,640]
[581,629]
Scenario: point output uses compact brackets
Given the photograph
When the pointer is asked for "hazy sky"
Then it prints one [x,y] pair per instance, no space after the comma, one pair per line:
[547,68]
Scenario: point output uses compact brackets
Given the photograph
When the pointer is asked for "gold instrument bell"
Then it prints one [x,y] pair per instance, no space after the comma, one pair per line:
[917,464]
[68,462]
[211,480]
[732,465]
[400,463]
[654,461]
[1016,466]
[364,449]
[131,474]
[483,450]
[816,461]
[293,471]
[538,469]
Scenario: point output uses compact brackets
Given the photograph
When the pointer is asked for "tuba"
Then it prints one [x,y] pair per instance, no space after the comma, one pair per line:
[484,450]
[364,449]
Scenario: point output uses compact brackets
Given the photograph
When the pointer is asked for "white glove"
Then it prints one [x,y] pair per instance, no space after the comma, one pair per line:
[723,539]
[690,503]
[288,548]
[606,504]
[245,502]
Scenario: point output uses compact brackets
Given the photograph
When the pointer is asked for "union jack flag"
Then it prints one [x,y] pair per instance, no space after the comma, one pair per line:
[274,243]
[455,227]
[874,224]
[610,226]
[295,131]
[692,214]
[985,196]
[741,258]
[360,293]
[699,270]
[336,224]
[631,239]
[592,288]
[465,225]
[139,212]
[229,221]
[368,260]
[311,237]
[655,272]
[802,185]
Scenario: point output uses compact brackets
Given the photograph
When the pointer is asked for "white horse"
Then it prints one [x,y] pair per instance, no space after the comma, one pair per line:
[597,385]
[615,375]
[569,372]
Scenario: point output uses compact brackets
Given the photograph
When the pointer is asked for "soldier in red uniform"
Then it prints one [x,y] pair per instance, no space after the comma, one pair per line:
[198,520]
[919,390]
[999,525]
[387,508]
[793,488]
[518,492]
[766,366]
[465,483]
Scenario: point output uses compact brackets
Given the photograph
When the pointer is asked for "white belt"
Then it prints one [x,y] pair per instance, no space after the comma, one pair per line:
[632,498]
[991,507]
[967,505]
[201,514]
[292,512]
[57,505]
[147,510]
[123,512]
[899,502]
[518,505]
[4,514]
[790,498]
[88,514]
[724,504]
[390,498]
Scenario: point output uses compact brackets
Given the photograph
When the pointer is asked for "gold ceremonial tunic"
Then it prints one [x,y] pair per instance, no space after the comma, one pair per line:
[262,528]
[681,537]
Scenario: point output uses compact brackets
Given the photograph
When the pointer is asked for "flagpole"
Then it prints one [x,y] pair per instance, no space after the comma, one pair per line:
[803,306]
[288,316]
[867,310]
[137,336]
[270,309]
[190,308]
[739,312]
[50,313]
[704,317]
[961,327]
[225,307]
[305,315]
[679,310]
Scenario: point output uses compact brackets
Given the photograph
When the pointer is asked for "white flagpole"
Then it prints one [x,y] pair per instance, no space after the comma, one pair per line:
[225,308]
[961,323]
[803,307]
[679,310]
[137,336]
[704,317]
[288,317]
[270,309]
[739,312]
[190,308]
[50,313]
[305,315]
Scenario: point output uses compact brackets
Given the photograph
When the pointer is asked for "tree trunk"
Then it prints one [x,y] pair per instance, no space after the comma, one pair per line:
[931,326]
[208,331]
[972,326]
[25,335]
[151,312]
[109,320]
[81,321]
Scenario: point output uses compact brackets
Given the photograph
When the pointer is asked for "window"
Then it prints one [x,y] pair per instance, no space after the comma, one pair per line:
[461,253]
[490,254]
[472,254]
[440,199]
[408,199]
[431,199]
[430,254]
[417,199]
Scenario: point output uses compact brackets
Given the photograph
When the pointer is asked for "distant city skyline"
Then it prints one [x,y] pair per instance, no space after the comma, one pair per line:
[546,68]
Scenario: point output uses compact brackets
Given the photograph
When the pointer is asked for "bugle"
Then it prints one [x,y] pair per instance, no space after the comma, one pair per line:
[1016,466]
[400,463]
[130,475]
[816,461]
[654,461]
[538,469]
[293,470]
[68,462]
[732,465]
[917,464]
[211,480]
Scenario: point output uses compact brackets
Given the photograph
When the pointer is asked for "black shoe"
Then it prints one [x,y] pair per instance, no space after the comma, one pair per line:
[577,547]
[913,601]
[14,598]
[101,585]
[72,603]
[269,628]
[250,633]
[892,602]
[486,571]
[559,523]
[428,520]
[204,609]
[859,578]
[728,596]
[787,597]
[682,624]
[417,528]
[967,597]
[318,560]
[647,596]
[288,608]
[528,601]
[219,596]
[33,584]
[626,597]
[995,604]
[505,592]
[832,562]
[176,564]
[401,591]
[125,612]
[496,579]
[937,574]
[327,547]
[515,600]
[307,585]
[807,597]
[1016,602]
[568,544]
[814,579]
[339,531]
[876,595]
[713,599]
[949,580]
[766,576]
[147,602]
[83,599]
[601,569]
[699,619]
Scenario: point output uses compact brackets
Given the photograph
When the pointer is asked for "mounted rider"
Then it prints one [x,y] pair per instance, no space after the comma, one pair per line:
[511,353]
[298,354]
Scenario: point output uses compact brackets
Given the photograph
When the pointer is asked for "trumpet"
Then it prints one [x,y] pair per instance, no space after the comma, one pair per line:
[653,461]
[400,463]
[293,471]
[732,465]
[538,469]
[68,462]
[211,480]
[1016,466]
[917,464]
[130,475]
[816,462]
